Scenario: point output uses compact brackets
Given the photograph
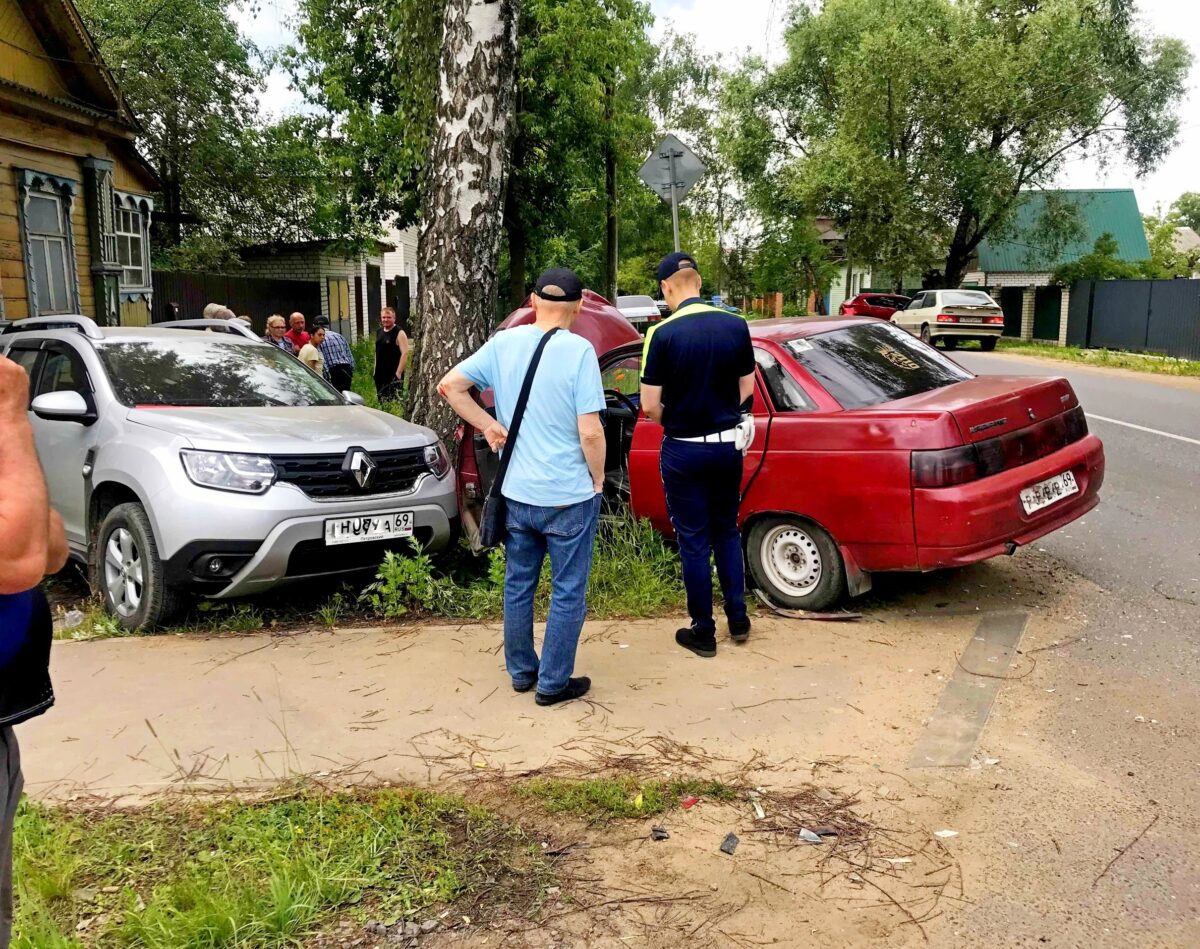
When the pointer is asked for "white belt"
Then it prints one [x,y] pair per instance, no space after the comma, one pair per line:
[729,435]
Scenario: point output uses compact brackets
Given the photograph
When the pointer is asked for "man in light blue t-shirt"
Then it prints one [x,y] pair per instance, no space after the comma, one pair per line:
[554,480]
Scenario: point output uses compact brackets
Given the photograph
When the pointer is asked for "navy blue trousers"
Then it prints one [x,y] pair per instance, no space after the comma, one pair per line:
[703,482]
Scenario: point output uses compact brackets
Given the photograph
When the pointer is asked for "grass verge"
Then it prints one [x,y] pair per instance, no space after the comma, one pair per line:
[598,800]
[1111,359]
[262,874]
[634,573]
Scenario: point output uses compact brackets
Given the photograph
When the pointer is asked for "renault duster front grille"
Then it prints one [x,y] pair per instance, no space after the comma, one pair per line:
[323,476]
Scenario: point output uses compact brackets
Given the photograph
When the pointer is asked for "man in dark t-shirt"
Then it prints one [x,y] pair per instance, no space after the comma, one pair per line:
[391,357]
[697,372]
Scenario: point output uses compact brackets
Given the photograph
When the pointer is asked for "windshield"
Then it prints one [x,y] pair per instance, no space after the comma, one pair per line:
[210,370]
[635,301]
[871,363]
[966,298]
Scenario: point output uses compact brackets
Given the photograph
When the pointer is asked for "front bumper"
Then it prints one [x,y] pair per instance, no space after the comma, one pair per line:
[263,540]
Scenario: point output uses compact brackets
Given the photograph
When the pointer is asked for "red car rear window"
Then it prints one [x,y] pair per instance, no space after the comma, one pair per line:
[872,363]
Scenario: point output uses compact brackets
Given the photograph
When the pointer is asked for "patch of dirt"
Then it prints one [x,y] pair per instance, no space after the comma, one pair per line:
[803,707]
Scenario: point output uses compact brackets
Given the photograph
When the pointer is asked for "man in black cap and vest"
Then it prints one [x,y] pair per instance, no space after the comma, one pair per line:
[697,372]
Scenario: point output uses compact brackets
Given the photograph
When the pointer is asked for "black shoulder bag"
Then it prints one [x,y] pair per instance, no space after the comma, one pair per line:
[493,526]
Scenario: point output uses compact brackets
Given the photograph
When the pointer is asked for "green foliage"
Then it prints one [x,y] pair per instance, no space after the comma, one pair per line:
[1167,261]
[1187,209]
[1100,264]
[1111,359]
[258,874]
[923,153]
[598,800]
[634,573]
[371,66]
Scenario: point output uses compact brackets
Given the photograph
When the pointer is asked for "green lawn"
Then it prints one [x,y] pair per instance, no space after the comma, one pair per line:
[1162,365]
[266,874]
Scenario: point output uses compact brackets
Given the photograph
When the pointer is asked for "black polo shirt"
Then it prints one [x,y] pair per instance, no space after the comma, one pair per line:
[699,360]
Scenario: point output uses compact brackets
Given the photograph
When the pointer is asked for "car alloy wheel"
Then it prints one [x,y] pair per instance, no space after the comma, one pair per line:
[926,336]
[791,559]
[123,575]
[128,573]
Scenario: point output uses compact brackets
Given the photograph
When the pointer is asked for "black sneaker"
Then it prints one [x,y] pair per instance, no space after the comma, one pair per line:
[524,688]
[739,631]
[576,688]
[703,646]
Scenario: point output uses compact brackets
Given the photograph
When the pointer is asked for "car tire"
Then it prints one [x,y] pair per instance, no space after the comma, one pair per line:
[926,336]
[127,571]
[988,343]
[949,342]
[795,563]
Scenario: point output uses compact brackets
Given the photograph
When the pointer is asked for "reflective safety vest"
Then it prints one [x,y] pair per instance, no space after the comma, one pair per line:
[690,310]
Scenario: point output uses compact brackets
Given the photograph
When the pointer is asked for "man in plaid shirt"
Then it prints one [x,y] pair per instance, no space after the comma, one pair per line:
[339,360]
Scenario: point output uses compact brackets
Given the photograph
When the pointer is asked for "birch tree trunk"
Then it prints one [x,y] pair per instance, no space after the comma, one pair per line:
[462,198]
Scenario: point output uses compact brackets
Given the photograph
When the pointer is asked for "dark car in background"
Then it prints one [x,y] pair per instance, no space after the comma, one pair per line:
[879,305]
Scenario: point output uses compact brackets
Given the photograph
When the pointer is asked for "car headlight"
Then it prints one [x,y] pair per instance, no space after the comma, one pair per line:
[228,471]
[437,459]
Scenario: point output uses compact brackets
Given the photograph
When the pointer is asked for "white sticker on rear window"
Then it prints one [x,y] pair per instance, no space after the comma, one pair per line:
[800,346]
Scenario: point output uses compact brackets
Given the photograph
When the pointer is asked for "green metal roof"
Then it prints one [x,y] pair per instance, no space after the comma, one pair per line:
[1112,210]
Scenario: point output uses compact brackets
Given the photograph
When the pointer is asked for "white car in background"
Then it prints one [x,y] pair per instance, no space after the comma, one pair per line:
[639,310]
[952,316]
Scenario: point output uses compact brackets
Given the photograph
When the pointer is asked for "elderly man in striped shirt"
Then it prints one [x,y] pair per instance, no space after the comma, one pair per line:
[339,360]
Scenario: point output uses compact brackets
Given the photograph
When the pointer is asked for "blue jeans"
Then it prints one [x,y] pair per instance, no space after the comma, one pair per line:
[703,484]
[569,535]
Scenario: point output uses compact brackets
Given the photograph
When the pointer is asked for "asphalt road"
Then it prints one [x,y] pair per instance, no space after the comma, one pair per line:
[1145,535]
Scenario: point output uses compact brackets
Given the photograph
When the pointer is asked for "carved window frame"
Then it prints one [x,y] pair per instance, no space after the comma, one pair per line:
[32,182]
[142,206]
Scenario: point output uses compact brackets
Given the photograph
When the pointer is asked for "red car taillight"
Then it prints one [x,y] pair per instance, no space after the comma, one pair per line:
[994,320]
[946,467]
[947,318]
[950,466]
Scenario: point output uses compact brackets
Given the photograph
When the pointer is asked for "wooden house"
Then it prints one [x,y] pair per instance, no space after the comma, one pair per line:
[75,195]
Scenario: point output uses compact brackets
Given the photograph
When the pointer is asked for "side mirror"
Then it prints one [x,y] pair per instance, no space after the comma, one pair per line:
[354,397]
[63,407]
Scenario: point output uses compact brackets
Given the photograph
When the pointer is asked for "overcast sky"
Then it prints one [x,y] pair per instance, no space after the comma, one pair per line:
[732,27]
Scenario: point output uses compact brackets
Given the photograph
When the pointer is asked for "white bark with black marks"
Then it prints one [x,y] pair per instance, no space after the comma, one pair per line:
[462,197]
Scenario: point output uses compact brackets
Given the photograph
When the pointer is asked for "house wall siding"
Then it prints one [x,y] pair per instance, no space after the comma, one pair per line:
[25,143]
[19,59]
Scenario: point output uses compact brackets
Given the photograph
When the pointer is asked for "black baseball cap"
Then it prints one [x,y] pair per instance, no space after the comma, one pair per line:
[321,321]
[673,263]
[568,286]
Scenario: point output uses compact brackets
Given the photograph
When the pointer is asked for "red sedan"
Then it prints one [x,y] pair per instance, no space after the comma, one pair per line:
[873,452]
[880,305]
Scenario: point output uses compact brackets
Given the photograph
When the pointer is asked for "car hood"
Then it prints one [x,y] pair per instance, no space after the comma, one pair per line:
[286,429]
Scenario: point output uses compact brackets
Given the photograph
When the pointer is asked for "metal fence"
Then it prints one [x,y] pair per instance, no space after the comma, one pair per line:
[183,296]
[1146,316]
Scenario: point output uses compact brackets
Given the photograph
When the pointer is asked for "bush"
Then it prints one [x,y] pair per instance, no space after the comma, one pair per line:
[634,573]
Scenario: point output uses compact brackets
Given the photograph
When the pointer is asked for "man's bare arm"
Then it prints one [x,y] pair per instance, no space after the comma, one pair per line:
[591,437]
[455,388]
[652,402]
[25,519]
[403,343]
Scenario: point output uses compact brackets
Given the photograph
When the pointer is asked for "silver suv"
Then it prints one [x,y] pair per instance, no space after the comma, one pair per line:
[207,463]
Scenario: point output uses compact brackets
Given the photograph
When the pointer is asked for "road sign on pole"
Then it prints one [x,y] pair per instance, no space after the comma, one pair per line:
[671,171]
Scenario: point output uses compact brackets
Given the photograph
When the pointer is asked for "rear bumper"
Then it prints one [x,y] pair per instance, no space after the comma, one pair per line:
[972,522]
[968,331]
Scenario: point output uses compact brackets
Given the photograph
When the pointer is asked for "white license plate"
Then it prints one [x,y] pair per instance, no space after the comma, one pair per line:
[358,528]
[1045,493]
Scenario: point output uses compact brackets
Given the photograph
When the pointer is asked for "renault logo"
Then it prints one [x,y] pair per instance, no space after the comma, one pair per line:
[361,467]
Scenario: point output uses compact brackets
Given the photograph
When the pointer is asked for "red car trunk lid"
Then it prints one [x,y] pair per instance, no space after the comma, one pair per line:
[987,406]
